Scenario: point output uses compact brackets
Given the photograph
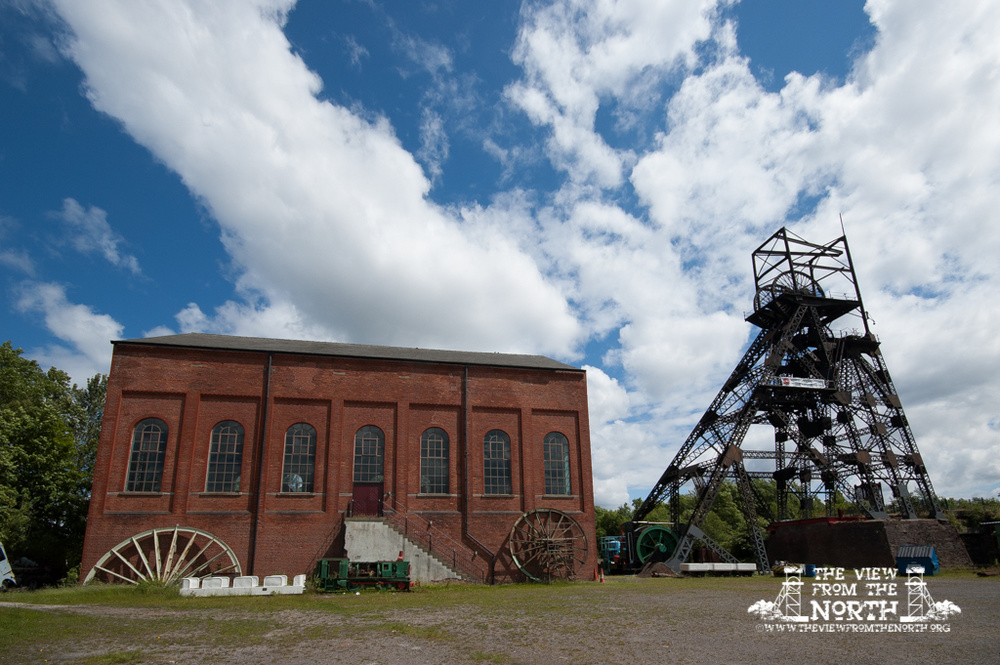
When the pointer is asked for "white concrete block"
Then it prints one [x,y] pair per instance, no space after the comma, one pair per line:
[215,583]
[275,580]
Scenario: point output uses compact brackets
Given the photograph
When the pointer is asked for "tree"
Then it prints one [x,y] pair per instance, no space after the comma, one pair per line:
[48,435]
[89,412]
[609,522]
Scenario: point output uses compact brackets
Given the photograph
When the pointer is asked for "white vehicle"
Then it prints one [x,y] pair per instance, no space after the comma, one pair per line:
[6,573]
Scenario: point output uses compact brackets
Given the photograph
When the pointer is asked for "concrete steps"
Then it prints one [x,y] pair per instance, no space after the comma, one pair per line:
[373,539]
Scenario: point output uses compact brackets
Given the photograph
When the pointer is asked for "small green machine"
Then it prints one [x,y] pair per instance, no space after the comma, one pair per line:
[347,575]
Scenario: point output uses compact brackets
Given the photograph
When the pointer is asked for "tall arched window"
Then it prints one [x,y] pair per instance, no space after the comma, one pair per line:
[369,449]
[300,458]
[434,461]
[225,457]
[556,460]
[496,463]
[145,464]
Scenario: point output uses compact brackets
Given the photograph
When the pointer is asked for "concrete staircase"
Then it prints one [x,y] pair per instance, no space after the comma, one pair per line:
[375,539]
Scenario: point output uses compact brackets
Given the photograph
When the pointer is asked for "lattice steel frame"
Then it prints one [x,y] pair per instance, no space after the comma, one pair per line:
[838,423]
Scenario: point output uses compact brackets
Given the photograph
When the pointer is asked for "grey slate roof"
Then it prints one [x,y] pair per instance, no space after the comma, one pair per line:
[260,344]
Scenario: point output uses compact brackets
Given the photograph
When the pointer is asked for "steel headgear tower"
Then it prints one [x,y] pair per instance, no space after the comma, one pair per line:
[815,374]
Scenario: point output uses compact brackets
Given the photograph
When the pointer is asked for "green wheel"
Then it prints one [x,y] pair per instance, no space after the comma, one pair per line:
[656,543]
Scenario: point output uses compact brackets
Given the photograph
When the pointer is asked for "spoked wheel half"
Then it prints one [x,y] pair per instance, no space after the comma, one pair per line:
[165,556]
[792,281]
[656,543]
[548,544]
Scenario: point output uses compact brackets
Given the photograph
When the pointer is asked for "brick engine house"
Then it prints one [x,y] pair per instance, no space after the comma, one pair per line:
[234,455]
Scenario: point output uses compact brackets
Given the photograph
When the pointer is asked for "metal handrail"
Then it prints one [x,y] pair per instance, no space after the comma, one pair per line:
[438,543]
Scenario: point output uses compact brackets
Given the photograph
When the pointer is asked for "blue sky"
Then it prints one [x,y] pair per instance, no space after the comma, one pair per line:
[583,179]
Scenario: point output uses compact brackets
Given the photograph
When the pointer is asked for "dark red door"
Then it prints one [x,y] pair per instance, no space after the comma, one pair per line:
[367,499]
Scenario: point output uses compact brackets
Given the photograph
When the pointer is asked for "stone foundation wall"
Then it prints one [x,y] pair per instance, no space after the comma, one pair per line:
[857,544]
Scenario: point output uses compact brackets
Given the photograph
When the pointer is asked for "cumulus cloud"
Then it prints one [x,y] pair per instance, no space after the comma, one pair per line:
[905,150]
[645,242]
[87,334]
[320,208]
[578,53]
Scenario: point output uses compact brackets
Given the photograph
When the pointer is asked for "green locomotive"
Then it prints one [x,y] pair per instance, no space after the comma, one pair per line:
[347,575]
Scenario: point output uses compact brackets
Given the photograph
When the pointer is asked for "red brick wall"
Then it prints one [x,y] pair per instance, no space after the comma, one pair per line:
[192,390]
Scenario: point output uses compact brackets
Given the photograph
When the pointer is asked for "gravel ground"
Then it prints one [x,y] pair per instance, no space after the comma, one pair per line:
[625,621]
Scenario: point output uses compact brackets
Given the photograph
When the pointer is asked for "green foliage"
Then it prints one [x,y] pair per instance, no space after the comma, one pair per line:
[48,441]
[88,412]
[609,522]
[725,523]
[968,514]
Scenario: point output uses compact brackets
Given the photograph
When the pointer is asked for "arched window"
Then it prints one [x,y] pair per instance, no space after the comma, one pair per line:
[145,464]
[369,449]
[300,458]
[496,463]
[225,457]
[556,459]
[434,461]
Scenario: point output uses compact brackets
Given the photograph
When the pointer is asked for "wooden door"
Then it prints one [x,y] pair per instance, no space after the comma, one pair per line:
[367,499]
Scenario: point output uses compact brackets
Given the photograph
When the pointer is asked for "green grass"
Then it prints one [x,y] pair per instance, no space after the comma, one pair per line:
[35,627]
[94,624]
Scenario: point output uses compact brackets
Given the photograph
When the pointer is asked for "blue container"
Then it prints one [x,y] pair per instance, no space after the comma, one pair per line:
[912,557]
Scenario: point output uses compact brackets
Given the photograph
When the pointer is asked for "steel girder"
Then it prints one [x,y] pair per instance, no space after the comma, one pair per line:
[839,427]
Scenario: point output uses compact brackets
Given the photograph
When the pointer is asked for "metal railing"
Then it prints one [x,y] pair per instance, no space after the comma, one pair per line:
[439,544]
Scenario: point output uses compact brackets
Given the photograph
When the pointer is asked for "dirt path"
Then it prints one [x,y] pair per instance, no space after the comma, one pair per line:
[625,622]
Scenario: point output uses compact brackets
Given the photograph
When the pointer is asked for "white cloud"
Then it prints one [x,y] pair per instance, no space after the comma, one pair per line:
[280,320]
[433,142]
[355,50]
[90,233]
[319,208]
[431,57]
[333,233]
[608,400]
[17,260]
[86,333]
[13,258]
[576,53]
[905,149]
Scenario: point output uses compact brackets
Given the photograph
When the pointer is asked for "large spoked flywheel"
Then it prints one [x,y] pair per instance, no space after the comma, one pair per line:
[655,543]
[165,556]
[548,544]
